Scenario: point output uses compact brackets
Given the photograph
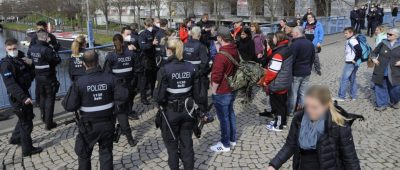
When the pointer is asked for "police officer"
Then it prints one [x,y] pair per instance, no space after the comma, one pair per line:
[75,62]
[131,41]
[18,76]
[161,57]
[42,26]
[95,95]
[149,66]
[373,21]
[45,61]
[120,64]
[177,86]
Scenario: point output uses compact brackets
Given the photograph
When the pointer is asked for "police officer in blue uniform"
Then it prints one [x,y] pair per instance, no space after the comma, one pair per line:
[75,62]
[131,41]
[149,67]
[95,95]
[45,61]
[160,36]
[120,64]
[176,89]
[18,76]
[42,26]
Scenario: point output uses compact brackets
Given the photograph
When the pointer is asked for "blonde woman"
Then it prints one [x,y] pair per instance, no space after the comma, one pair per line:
[75,63]
[380,33]
[319,138]
[176,86]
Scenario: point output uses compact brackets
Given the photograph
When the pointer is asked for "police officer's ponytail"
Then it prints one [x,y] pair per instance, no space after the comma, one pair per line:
[118,41]
[176,46]
[78,45]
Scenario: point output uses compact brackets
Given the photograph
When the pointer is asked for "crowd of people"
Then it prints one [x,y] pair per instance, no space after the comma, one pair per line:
[177,68]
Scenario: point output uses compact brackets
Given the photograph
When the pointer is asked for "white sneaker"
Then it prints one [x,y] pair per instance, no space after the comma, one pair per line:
[271,122]
[233,144]
[272,128]
[339,99]
[219,147]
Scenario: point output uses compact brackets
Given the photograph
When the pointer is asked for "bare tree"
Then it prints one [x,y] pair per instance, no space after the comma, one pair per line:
[119,4]
[104,6]
[271,6]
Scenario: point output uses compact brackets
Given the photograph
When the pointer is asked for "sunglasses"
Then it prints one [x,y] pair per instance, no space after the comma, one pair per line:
[389,34]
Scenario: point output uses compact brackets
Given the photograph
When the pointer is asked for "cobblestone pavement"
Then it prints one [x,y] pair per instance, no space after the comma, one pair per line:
[377,139]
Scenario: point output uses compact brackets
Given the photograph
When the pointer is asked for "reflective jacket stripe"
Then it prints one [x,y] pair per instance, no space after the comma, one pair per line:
[123,70]
[165,58]
[177,91]
[97,108]
[194,62]
[42,67]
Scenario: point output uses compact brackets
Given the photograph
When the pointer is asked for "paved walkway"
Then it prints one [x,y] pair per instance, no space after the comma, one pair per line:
[377,139]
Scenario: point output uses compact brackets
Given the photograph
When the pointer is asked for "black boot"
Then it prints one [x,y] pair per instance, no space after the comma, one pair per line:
[34,150]
[132,142]
[51,126]
[266,114]
[14,141]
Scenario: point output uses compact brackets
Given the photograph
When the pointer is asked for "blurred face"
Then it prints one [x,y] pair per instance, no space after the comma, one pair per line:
[355,8]
[243,35]
[348,34]
[12,50]
[288,30]
[282,23]
[309,10]
[378,31]
[126,33]
[205,18]
[237,24]
[310,19]
[392,36]
[314,108]
[253,28]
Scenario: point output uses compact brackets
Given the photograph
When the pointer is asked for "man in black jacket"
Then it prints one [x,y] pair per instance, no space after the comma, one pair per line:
[362,13]
[303,55]
[42,26]
[205,26]
[354,18]
[18,76]
[395,10]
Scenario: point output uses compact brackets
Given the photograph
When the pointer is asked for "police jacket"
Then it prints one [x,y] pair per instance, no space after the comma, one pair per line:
[17,77]
[335,147]
[146,45]
[44,59]
[354,15]
[160,51]
[196,53]
[178,80]
[75,67]
[53,41]
[95,94]
[373,16]
[121,65]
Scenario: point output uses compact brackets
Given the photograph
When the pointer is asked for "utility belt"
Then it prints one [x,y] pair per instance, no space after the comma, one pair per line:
[124,80]
[183,105]
[93,120]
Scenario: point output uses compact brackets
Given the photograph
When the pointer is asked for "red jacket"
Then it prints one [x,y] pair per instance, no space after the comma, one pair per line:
[183,34]
[223,66]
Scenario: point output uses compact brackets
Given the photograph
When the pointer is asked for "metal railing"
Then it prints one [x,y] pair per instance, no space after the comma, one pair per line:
[331,25]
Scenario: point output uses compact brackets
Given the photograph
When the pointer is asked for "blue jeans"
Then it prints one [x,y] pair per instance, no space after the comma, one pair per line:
[385,93]
[226,115]
[296,94]
[348,79]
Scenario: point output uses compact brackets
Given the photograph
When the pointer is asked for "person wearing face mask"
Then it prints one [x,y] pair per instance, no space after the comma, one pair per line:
[131,42]
[319,137]
[45,61]
[18,76]
[156,26]
[355,19]
[373,21]
[120,64]
[148,60]
[176,93]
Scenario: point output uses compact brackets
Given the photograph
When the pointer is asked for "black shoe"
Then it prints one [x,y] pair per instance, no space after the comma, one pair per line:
[145,102]
[133,115]
[51,126]
[266,114]
[14,141]
[132,142]
[319,73]
[34,150]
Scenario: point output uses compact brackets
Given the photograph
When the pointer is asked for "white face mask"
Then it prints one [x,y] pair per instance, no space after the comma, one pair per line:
[13,53]
[150,29]
[128,38]
[157,25]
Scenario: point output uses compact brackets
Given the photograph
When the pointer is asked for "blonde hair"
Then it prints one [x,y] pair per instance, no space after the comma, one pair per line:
[382,28]
[77,45]
[176,46]
[323,94]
